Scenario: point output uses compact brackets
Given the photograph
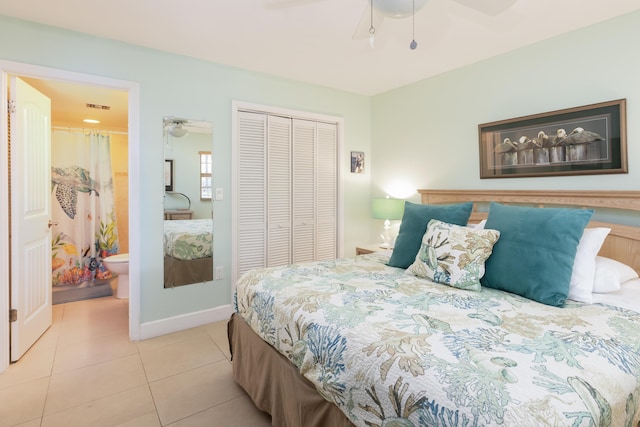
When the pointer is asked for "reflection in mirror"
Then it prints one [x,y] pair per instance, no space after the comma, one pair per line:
[188,208]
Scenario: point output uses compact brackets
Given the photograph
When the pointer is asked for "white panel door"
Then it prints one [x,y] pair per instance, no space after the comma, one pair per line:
[30,216]
[304,191]
[278,191]
[251,203]
[327,191]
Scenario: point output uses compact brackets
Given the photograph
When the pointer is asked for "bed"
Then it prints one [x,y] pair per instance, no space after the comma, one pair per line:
[355,341]
[188,252]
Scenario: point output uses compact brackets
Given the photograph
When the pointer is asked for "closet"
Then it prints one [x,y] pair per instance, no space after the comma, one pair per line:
[286,190]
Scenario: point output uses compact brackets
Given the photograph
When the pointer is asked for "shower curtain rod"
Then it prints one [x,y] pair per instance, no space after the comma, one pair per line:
[84,130]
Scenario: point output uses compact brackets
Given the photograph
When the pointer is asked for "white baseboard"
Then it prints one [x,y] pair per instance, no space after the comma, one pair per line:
[184,321]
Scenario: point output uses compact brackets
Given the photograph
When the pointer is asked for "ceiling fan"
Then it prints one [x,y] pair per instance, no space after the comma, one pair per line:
[284,4]
[179,127]
[377,10]
[404,8]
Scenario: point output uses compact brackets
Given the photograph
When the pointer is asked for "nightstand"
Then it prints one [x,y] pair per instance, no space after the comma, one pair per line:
[369,249]
[178,214]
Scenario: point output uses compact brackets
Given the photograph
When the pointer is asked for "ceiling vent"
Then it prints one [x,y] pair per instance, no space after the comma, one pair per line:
[98,107]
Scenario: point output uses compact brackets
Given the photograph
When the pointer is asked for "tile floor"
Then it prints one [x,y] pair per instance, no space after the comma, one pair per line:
[84,371]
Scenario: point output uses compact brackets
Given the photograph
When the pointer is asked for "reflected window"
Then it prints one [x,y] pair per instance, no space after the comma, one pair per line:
[206,165]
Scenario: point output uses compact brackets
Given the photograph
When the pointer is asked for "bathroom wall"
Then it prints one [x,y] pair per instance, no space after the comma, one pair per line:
[119,164]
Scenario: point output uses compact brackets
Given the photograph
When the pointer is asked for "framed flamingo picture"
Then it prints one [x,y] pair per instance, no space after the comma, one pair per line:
[577,141]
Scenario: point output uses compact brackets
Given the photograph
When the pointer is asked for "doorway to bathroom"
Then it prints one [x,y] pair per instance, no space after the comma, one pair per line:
[57,85]
[89,186]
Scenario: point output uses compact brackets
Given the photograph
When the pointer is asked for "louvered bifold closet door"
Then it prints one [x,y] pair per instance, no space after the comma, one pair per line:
[252,206]
[327,191]
[278,191]
[304,191]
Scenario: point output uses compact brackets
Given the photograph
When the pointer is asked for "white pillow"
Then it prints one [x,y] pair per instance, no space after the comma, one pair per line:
[610,274]
[479,226]
[584,264]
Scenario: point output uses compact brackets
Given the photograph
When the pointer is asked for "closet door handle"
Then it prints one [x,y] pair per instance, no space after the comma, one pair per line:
[51,223]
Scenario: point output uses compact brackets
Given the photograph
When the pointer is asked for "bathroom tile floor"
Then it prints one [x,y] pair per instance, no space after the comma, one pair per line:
[84,371]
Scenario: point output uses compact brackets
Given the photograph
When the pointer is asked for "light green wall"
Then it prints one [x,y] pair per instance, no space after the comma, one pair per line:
[172,85]
[426,134]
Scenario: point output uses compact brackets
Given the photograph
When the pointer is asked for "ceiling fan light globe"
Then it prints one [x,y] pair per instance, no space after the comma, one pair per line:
[177,130]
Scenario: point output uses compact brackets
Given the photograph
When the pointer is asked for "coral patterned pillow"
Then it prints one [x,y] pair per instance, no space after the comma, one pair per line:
[454,255]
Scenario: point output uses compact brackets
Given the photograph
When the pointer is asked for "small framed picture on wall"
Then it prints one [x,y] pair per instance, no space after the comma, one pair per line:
[168,175]
[357,162]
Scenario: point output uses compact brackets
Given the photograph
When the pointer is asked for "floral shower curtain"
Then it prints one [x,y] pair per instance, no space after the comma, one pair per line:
[82,206]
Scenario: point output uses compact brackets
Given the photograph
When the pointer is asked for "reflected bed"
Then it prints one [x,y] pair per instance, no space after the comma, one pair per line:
[188,252]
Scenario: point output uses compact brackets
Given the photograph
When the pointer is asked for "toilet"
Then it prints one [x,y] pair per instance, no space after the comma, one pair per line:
[119,264]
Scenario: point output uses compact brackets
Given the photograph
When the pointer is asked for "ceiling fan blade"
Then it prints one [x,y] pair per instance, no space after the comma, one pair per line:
[285,4]
[488,7]
[398,8]
[362,29]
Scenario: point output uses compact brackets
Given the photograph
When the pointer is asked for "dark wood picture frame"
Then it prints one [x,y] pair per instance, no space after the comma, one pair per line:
[591,139]
[168,175]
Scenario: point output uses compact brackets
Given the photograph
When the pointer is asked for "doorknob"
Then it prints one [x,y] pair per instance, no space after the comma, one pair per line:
[51,223]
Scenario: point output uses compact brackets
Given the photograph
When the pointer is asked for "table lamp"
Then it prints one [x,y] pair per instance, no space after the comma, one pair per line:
[387,209]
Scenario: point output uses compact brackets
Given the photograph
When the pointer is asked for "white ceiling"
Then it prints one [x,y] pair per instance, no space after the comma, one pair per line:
[312,40]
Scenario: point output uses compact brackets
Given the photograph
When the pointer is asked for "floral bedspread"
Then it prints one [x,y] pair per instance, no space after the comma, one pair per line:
[393,349]
[188,239]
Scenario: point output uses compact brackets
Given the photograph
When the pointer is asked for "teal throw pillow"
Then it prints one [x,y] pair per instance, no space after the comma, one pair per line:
[535,253]
[414,225]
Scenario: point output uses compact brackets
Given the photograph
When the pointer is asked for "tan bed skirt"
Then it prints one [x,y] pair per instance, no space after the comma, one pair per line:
[274,383]
[179,272]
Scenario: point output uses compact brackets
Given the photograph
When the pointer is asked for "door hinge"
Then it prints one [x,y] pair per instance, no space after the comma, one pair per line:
[11,104]
[13,315]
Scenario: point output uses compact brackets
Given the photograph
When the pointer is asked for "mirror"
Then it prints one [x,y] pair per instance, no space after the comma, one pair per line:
[188,207]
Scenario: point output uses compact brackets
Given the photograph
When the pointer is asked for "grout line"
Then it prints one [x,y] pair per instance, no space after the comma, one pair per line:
[206,409]
[223,360]
[88,307]
[153,398]
[77,312]
[53,361]
[89,402]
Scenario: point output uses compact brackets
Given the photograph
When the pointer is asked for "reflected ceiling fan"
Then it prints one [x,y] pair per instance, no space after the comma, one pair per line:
[179,127]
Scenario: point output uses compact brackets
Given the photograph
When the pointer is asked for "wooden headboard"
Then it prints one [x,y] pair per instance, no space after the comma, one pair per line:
[622,244]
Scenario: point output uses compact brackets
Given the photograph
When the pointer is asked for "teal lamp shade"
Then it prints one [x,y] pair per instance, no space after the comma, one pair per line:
[387,209]
[391,209]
